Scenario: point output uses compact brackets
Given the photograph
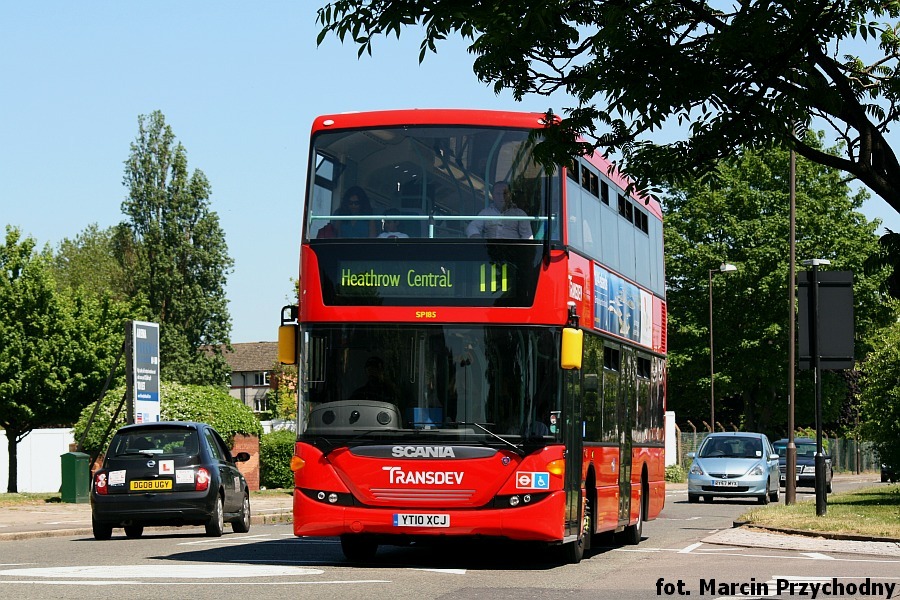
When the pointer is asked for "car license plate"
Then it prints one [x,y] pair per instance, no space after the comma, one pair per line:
[724,483]
[142,485]
[421,520]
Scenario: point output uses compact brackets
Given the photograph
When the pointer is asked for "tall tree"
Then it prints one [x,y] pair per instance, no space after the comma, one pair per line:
[741,216]
[56,349]
[738,73]
[174,251]
[88,262]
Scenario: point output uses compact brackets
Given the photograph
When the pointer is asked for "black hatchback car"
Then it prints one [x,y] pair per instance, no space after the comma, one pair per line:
[169,473]
[806,462]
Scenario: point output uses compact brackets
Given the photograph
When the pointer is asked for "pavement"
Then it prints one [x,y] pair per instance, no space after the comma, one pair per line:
[28,521]
[50,519]
[745,535]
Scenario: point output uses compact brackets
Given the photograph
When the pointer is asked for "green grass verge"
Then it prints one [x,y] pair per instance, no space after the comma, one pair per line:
[27,498]
[872,512]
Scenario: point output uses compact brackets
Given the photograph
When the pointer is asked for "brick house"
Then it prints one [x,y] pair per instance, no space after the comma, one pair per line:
[251,365]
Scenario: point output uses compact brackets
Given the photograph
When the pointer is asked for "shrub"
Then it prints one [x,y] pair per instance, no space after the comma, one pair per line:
[205,404]
[275,452]
[676,474]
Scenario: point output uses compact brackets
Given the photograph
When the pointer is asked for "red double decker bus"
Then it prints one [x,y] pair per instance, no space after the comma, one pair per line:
[480,343]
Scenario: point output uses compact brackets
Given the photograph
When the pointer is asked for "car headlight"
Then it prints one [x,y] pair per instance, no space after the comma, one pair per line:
[757,470]
[696,470]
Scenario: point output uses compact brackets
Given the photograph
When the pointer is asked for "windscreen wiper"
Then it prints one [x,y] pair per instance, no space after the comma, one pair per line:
[517,448]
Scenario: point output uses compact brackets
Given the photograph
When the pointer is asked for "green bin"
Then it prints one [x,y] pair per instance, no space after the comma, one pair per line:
[76,477]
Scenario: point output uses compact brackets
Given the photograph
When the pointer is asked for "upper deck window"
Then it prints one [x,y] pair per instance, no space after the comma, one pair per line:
[429,182]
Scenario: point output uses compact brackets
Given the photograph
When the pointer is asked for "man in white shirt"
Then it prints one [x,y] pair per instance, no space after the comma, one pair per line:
[501,206]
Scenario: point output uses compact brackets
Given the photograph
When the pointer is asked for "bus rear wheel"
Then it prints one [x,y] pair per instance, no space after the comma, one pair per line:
[358,547]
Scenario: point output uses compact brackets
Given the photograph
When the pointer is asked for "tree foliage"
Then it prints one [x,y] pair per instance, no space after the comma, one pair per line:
[742,217]
[282,398]
[178,402]
[738,75]
[88,262]
[880,397]
[174,252]
[56,348]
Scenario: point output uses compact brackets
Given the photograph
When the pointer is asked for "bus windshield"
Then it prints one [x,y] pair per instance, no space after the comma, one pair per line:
[428,182]
[487,385]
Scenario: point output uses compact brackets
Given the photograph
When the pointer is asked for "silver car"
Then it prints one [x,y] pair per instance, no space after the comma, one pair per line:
[734,465]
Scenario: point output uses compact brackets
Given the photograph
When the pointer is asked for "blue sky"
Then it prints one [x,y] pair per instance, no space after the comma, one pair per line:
[240,84]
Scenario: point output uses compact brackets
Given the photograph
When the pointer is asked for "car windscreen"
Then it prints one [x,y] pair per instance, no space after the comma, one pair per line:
[732,447]
[155,441]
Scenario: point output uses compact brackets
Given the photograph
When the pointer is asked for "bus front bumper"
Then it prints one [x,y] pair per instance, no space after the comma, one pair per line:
[542,521]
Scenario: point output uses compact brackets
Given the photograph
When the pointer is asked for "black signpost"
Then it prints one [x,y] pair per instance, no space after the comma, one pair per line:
[826,340]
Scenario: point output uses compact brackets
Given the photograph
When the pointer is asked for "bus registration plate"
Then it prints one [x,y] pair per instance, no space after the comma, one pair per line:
[421,520]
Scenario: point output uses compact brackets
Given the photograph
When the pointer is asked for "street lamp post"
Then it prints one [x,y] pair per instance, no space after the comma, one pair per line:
[723,268]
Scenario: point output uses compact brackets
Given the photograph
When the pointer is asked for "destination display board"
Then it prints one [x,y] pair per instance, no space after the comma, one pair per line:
[449,276]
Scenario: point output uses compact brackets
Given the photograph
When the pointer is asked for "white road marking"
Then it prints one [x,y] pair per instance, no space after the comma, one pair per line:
[818,555]
[196,583]
[167,571]
[798,556]
[691,548]
[445,571]
[816,579]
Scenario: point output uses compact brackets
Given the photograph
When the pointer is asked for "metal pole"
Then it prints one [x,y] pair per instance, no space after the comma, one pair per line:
[129,371]
[790,471]
[712,369]
[821,504]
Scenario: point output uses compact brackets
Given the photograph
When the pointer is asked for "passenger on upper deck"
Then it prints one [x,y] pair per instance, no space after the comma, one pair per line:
[502,206]
[355,203]
[391,225]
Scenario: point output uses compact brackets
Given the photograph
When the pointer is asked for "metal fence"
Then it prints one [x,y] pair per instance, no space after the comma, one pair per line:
[847,455]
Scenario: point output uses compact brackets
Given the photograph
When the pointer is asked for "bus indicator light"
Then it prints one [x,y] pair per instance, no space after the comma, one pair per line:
[556,467]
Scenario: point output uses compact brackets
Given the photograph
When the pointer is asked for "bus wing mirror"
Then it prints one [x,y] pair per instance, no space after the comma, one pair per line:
[287,336]
[287,344]
[572,342]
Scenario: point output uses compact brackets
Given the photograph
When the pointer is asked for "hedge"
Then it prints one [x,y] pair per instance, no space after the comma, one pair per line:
[229,416]
[275,452]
